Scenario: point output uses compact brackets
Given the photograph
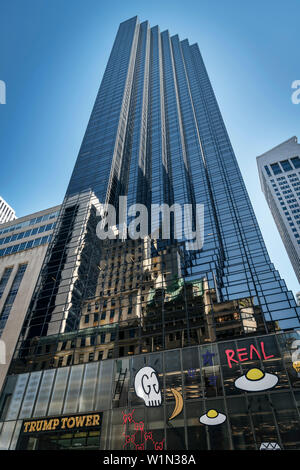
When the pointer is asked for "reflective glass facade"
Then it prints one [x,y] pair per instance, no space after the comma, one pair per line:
[103,309]
[204,376]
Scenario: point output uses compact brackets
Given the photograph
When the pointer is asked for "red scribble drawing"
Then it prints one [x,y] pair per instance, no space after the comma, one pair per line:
[140,446]
[159,445]
[139,437]
[128,417]
[139,426]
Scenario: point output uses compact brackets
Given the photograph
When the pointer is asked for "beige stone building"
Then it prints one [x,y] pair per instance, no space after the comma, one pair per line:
[23,245]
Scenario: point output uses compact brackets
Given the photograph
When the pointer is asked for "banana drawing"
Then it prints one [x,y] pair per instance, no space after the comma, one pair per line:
[178,403]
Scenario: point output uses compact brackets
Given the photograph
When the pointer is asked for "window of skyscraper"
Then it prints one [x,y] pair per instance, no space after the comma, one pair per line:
[276,168]
[296,162]
[4,280]
[267,170]
[286,165]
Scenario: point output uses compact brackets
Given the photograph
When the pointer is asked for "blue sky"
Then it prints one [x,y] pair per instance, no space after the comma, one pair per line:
[53,54]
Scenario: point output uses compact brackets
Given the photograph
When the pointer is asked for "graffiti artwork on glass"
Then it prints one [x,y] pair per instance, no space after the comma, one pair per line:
[208,358]
[146,386]
[245,354]
[269,446]
[191,373]
[178,403]
[212,380]
[256,381]
[137,436]
[296,355]
[296,366]
[212,418]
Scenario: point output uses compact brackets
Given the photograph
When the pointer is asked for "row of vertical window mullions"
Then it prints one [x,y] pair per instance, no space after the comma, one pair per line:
[284,165]
[12,228]
[12,295]
[4,279]
[63,387]
[25,245]
[28,233]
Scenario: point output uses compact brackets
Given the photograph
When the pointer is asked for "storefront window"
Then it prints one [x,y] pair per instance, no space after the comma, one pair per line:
[155,429]
[196,432]
[191,374]
[78,440]
[173,376]
[287,419]
[44,393]
[58,393]
[219,435]
[104,388]
[72,395]
[176,438]
[241,429]
[86,399]
[17,397]
[261,414]
[7,430]
[121,383]
[118,428]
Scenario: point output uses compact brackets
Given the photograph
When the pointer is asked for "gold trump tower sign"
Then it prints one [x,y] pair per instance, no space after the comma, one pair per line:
[62,423]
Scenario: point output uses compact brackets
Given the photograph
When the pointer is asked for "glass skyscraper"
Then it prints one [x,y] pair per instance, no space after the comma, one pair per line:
[143,343]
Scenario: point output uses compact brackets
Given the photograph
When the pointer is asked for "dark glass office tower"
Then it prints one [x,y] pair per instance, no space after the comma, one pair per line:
[145,343]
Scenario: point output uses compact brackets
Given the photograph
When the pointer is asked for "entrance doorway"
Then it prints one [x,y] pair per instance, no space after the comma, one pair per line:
[77,440]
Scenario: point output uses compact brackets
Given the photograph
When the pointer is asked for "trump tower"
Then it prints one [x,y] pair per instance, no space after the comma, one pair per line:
[147,341]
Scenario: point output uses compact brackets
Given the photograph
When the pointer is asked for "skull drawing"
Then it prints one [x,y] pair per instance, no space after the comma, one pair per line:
[146,386]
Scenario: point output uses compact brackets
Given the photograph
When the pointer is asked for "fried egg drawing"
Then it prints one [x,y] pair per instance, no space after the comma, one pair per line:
[256,380]
[212,418]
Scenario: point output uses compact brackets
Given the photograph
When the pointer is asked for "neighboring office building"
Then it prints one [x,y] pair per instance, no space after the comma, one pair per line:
[102,310]
[6,212]
[279,173]
[22,250]
[298,298]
